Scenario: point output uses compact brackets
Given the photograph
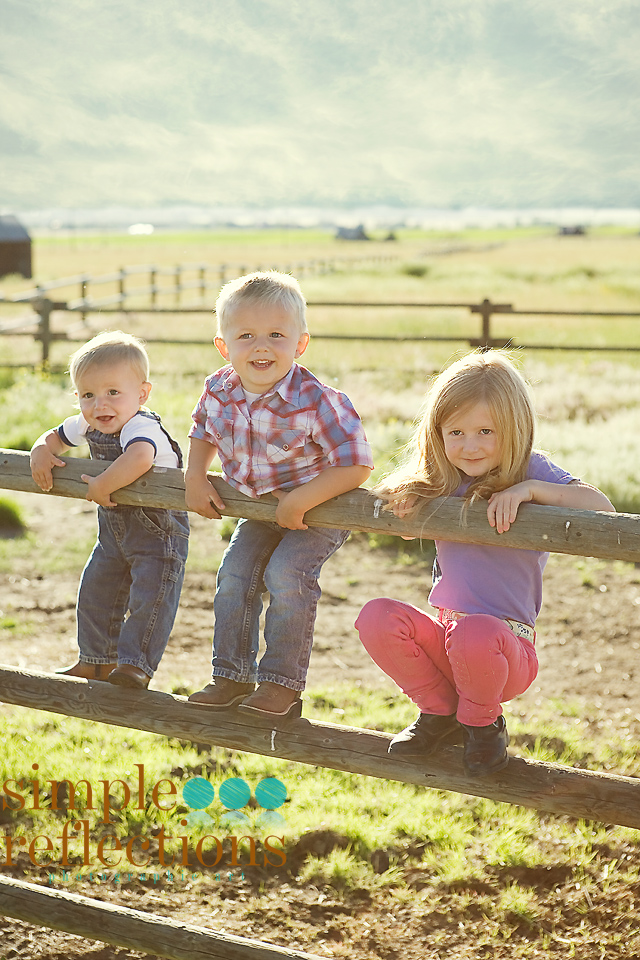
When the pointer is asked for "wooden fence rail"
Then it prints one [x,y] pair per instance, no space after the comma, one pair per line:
[611,536]
[133,929]
[548,787]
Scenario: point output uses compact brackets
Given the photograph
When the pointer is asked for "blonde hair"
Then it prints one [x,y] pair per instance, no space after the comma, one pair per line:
[489,378]
[268,288]
[109,347]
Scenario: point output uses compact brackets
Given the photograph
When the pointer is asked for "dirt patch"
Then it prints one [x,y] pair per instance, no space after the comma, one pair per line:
[589,648]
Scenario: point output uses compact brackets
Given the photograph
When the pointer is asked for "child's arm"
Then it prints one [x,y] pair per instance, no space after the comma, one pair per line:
[201,496]
[136,460]
[330,483]
[45,454]
[503,506]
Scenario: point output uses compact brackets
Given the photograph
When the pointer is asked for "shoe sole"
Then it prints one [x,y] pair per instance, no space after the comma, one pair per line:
[452,736]
[220,706]
[477,774]
[292,711]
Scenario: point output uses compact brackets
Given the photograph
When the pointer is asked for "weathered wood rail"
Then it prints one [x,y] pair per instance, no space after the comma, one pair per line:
[133,929]
[547,787]
[610,536]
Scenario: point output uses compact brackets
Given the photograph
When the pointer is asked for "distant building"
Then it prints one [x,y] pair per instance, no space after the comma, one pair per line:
[352,233]
[577,231]
[15,248]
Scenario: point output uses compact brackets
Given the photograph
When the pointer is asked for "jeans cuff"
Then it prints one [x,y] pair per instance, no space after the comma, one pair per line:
[296,685]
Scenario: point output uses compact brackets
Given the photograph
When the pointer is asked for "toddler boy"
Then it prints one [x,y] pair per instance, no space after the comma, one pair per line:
[137,565]
[276,429]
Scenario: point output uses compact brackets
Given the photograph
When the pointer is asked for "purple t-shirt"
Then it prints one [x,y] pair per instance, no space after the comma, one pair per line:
[500,581]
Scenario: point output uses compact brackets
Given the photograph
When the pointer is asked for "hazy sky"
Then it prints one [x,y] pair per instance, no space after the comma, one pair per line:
[269,102]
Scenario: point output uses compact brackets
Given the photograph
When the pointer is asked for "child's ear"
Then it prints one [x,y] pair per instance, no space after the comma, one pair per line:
[145,390]
[303,343]
[222,347]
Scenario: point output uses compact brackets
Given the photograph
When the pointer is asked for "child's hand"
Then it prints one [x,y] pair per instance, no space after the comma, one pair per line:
[42,461]
[96,492]
[503,506]
[403,507]
[202,497]
[288,514]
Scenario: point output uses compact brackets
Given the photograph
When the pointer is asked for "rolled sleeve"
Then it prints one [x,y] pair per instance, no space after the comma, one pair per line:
[199,429]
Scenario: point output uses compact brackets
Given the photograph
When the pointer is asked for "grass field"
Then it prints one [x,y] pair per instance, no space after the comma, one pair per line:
[508,876]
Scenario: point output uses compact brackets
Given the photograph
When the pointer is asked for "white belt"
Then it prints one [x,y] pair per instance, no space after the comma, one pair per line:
[522,630]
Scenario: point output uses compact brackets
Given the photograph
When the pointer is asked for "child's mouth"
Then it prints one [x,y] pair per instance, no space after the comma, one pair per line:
[261,364]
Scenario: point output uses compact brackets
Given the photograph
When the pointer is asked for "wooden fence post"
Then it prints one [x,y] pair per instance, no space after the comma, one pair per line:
[121,285]
[43,308]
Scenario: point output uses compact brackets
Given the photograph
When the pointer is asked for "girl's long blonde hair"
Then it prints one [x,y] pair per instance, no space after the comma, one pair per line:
[489,378]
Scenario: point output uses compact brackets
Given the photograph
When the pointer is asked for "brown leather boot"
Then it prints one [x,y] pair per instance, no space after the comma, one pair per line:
[273,700]
[222,693]
[87,671]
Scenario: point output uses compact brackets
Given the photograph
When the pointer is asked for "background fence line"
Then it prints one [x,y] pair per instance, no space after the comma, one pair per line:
[39,327]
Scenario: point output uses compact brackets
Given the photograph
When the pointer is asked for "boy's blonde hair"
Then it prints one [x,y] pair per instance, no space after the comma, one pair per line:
[268,288]
[489,378]
[112,346]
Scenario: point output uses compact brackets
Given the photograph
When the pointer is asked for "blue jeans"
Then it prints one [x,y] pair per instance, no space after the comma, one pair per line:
[286,563]
[137,567]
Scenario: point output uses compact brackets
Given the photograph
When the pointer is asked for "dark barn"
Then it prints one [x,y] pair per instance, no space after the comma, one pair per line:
[15,248]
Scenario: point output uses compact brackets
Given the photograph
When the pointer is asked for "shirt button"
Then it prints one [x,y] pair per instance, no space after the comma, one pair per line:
[285,446]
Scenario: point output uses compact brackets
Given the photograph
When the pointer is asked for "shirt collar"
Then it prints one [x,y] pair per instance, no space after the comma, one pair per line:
[288,388]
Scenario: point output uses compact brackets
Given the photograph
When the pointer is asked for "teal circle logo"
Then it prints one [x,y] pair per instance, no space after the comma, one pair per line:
[271,793]
[234,793]
[198,793]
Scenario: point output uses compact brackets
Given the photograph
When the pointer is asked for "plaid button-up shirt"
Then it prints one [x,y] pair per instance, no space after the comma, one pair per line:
[288,436]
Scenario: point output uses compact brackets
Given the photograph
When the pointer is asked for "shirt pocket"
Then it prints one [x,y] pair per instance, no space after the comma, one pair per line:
[222,433]
[286,445]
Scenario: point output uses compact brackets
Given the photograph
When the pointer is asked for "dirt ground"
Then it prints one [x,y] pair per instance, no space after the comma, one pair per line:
[589,650]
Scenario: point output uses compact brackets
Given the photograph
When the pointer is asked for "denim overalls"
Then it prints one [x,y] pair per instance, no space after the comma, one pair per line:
[137,567]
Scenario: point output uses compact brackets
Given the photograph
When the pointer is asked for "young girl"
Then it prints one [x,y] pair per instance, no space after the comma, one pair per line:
[474,441]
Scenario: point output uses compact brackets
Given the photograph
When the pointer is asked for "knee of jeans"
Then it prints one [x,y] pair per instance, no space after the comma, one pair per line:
[377,619]
[287,581]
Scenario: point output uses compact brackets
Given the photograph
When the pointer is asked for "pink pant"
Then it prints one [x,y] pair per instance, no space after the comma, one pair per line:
[468,667]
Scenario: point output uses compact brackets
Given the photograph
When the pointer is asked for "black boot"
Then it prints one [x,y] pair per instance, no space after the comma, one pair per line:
[423,736]
[485,748]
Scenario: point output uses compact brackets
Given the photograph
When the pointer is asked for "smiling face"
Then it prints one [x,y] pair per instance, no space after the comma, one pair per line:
[110,394]
[471,442]
[261,341]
